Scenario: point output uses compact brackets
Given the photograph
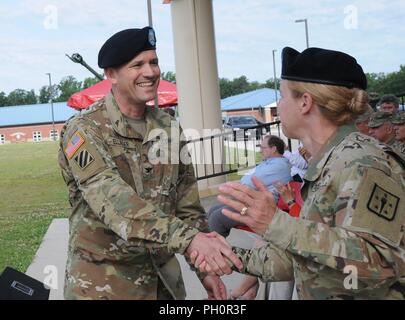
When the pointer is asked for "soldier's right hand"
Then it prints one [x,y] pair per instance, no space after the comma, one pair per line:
[215,251]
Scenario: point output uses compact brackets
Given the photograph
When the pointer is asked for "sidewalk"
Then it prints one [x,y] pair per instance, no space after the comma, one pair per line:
[52,255]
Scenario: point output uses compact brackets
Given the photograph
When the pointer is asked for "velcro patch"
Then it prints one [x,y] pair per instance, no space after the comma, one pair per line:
[84,158]
[383,203]
[74,144]
[379,208]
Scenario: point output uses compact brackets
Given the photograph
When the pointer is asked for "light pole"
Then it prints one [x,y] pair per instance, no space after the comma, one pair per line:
[306,29]
[274,73]
[50,98]
[150,23]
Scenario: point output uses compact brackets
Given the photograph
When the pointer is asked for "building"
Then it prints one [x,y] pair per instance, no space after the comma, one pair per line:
[260,103]
[33,122]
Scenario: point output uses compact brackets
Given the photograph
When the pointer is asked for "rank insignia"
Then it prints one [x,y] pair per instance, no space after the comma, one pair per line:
[84,158]
[383,203]
[74,144]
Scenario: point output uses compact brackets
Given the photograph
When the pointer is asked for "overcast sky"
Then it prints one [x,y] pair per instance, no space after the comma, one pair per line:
[36,34]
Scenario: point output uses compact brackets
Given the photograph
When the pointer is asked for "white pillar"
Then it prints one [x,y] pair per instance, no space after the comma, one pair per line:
[196,69]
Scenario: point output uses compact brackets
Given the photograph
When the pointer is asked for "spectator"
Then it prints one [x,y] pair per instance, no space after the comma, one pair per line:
[298,163]
[274,167]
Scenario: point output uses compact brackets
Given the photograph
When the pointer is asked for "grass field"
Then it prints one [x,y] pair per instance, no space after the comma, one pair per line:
[32,193]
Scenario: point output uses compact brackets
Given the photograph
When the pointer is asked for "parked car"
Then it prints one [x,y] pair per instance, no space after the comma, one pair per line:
[240,125]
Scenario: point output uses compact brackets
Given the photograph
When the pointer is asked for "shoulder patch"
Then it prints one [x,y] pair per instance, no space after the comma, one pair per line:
[83,158]
[379,208]
[383,203]
[74,144]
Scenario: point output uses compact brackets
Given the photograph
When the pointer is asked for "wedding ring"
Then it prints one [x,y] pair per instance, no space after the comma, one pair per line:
[244,211]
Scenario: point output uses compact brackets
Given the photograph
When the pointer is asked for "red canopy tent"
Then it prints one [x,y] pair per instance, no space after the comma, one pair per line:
[167,95]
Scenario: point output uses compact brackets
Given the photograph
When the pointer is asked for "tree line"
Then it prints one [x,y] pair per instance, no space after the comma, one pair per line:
[378,85]
[59,92]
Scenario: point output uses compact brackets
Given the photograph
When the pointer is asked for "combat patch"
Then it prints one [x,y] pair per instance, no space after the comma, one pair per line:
[383,203]
[83,158]
[74,144]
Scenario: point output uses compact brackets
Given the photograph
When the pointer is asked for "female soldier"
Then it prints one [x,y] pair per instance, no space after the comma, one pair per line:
[349,240]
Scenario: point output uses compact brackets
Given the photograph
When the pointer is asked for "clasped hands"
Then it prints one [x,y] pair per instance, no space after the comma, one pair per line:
[214,255]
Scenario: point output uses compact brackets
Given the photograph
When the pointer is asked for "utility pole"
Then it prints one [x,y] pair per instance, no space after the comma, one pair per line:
[51,100]
[306,29]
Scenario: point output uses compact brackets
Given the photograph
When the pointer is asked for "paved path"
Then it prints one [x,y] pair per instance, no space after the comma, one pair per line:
[49,263]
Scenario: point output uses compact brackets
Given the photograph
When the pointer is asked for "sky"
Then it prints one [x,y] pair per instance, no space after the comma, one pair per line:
[35,35]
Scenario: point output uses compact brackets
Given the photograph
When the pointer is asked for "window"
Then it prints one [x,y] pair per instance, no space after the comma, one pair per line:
[54,135]
[2,139]
[37,136]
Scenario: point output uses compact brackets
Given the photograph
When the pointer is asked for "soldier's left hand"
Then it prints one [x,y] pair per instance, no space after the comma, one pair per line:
[216,289]
[260,204]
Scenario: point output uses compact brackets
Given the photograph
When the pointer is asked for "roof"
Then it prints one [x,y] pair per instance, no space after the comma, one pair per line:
[252,99]
[34,114]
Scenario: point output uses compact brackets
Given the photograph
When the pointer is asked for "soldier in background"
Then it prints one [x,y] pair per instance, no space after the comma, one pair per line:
[381,128]
[131,212]
[389,103]
[398,120]
[362,120]
[349,240]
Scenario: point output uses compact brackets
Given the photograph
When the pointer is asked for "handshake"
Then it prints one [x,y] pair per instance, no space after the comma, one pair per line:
[210,253]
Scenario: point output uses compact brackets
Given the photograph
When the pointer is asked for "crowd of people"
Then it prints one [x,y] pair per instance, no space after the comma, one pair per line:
[130,214]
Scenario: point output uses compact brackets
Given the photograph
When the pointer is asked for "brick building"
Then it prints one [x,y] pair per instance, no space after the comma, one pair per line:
[29,123]
[259,103]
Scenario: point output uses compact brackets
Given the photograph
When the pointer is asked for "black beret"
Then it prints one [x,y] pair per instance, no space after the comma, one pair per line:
[322,66]
[125,45]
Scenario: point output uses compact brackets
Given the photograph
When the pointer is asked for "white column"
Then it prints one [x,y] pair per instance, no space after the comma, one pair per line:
[196,70]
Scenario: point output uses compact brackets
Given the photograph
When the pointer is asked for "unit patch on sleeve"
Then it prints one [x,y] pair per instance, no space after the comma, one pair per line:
[83,158]
[74,144]
[383,203]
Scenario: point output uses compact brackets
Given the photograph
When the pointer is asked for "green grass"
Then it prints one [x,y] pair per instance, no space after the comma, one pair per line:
[32,193]
[238,175]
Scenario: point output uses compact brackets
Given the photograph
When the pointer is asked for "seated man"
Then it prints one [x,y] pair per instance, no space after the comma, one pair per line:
[298,163]
[274,167]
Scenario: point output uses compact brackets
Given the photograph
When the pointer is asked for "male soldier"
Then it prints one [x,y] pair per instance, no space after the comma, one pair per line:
[361,121]
[398,120]
[130,212]
[389,103]
[380,127]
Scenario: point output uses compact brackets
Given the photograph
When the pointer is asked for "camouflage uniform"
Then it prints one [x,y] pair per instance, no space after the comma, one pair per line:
[129,214]
[377,119]
[353,216]
[399,146]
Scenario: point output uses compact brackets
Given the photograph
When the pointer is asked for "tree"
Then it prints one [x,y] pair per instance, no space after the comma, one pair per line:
[68,86]
[169,76]
[88,82]
[3,99]
[21,97]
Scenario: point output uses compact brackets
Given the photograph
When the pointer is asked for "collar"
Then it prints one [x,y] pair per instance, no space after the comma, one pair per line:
[318,162]
[155,119]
